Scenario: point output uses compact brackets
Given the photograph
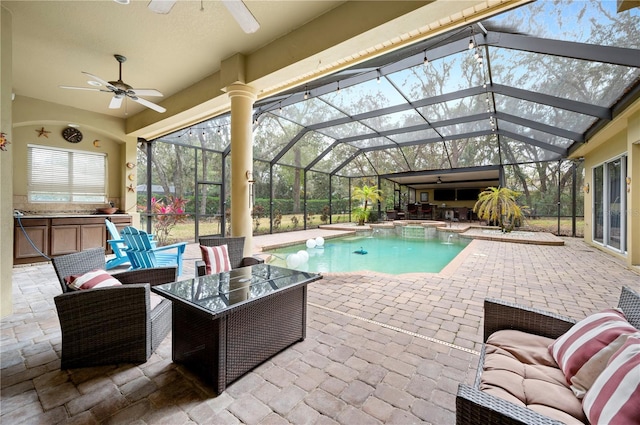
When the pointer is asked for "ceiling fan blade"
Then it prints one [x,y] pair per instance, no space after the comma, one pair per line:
[161,6]
[148,104]
[100,80]
[116,102]
[79,88]
[145,92]
[242,15]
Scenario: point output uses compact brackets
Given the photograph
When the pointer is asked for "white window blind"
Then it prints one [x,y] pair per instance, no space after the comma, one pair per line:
[65,175]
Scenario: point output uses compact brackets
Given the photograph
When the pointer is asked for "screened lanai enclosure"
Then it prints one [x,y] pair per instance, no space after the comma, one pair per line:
[504,101]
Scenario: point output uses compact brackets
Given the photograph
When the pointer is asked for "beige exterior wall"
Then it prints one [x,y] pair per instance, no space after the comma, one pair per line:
[6,166]
[621,136]
[98,136]
[633,188]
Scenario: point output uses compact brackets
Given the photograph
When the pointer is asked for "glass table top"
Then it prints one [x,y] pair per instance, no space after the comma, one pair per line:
[217,293]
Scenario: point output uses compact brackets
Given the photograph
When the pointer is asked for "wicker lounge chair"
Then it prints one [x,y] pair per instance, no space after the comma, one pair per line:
[474,406]
[235,246]
[114,324]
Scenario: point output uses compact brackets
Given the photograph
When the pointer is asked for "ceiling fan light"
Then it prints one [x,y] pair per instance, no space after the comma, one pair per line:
[242,15]
[161,6]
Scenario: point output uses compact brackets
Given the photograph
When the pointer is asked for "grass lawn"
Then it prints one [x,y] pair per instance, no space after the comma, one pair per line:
[551,225]
[186,231]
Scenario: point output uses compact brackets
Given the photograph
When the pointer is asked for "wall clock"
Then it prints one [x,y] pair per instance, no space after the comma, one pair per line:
[71,134]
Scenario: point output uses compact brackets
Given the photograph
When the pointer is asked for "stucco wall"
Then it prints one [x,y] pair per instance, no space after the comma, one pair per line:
[6,166]
[28,135]
[621,136]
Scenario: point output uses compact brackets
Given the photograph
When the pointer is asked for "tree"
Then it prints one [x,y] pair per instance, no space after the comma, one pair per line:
[366,194]
[498,204]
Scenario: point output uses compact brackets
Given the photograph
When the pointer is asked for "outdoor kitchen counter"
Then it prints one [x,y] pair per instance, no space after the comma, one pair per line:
[60,234]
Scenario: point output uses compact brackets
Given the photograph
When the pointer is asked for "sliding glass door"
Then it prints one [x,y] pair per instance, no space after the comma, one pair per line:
[610,204]
[598,204]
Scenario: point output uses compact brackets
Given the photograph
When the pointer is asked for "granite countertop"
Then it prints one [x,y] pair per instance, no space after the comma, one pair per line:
[68,215]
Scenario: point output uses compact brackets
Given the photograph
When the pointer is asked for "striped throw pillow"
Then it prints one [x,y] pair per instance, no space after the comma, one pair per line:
[614,397]
[93,279]
[216,258]
[583,352]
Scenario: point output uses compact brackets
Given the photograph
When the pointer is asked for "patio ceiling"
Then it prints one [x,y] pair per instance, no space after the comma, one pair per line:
[525,86]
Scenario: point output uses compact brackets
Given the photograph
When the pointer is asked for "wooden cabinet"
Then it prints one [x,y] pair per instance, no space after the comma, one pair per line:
[76,234]
[65,239]
[61,235]
[38,232]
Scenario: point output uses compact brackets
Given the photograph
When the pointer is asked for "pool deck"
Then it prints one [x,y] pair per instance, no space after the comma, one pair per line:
[379,348]
[471,230]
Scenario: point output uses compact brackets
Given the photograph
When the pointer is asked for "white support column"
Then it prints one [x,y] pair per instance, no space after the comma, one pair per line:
[242,97]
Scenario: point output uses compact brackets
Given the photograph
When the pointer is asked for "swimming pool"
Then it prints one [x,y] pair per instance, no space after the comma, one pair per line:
[387,254]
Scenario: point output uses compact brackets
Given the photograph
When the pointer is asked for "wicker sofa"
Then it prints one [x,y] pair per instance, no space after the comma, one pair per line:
[117,324]
[475,406]
[235,247]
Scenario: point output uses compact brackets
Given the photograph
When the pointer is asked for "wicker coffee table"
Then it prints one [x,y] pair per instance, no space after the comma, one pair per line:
[226,324]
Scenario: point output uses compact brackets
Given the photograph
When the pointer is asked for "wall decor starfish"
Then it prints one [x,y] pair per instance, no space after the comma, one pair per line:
[43,132]
[130,188]
[3,142]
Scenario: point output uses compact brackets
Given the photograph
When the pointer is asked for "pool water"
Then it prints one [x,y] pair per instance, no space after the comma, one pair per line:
[388,254]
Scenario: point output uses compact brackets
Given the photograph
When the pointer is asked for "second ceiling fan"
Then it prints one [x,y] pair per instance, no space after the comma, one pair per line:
[237,8]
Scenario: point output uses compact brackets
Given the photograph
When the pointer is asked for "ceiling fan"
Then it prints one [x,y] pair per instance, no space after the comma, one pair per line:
[120,90]
[237,8]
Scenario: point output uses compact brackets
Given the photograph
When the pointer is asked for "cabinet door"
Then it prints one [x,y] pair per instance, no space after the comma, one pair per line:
[65,239]
[93,236]
[121,221]
[39,235]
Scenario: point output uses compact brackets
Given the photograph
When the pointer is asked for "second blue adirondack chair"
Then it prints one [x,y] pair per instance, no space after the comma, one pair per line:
[144,255]
[118,246]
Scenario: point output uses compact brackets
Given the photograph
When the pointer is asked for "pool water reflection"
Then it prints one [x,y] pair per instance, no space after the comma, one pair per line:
[386,254]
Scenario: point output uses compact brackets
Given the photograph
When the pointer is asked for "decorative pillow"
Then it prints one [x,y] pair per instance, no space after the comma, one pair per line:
[614,397]
[216,258]
[93,279]
[582,352]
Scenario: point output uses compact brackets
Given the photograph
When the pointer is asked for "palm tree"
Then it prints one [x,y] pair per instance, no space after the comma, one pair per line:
[366,194]
[499,204]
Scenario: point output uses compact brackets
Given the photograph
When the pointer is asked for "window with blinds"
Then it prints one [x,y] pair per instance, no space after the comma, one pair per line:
[65,175]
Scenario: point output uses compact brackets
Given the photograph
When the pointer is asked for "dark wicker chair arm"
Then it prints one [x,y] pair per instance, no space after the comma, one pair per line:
[251,261]
[500,315]
[201,268]
[155,276]
[476,407]
[105,325]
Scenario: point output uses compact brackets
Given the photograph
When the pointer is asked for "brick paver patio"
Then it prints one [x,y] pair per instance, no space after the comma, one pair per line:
[379,348]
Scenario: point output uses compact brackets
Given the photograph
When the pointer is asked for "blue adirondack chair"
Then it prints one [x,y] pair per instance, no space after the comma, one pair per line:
[118,246]
[143,254]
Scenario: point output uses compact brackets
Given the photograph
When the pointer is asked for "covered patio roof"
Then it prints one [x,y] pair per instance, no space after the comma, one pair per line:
[529,85]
